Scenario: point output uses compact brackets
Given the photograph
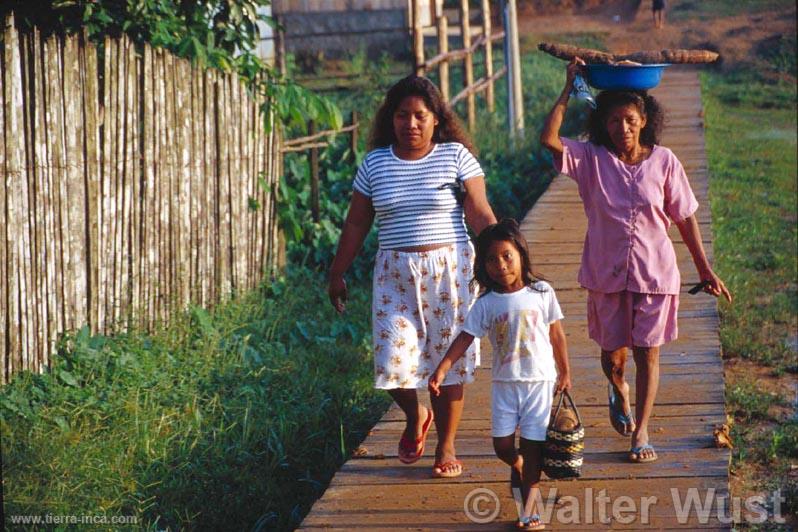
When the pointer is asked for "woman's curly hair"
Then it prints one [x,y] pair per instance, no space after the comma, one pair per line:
[646,105]
[449,128]
[506,230]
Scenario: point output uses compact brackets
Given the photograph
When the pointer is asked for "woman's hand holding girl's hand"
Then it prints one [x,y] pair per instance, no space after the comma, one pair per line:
[435,383]
[336,289]
[576,66]
[563,383]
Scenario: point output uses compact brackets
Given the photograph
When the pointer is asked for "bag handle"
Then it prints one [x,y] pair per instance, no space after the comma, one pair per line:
[559,404]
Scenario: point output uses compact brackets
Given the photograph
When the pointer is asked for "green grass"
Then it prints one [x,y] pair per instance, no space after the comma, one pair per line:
[752,160]
[225,420]
[711,9]
[751,150]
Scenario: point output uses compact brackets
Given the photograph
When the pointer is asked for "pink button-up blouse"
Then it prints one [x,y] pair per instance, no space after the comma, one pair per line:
[629,209]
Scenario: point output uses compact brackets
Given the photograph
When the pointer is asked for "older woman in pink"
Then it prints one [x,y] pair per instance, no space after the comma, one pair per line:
[632,189]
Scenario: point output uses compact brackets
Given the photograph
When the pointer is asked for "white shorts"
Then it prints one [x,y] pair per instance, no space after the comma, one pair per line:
[526,405]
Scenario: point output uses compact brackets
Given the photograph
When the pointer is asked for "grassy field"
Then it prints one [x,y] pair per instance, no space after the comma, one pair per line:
[751,148]
[711,9]
[230,419]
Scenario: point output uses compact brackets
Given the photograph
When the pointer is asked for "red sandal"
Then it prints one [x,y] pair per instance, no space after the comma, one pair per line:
[411,451]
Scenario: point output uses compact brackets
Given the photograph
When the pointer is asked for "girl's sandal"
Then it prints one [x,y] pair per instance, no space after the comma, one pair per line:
[532,522]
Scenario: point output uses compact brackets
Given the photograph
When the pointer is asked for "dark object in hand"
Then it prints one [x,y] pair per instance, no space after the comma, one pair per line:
[458,187]
[697,288]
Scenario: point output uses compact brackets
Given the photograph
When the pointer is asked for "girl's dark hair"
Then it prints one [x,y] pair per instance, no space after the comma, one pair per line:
[646,105]
[508,231]
[448,129]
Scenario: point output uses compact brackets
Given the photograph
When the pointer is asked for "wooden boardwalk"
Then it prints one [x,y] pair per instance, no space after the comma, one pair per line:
[377,492]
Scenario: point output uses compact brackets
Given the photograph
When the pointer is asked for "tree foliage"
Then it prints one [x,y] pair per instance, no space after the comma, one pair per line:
[222,34]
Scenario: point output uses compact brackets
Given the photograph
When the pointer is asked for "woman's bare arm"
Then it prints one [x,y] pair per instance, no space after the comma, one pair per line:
[691,234]
[356,228]
[478,213]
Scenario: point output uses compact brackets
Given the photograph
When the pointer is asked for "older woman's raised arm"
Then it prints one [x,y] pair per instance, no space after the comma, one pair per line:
[550,136]
[478,213]
[356,228]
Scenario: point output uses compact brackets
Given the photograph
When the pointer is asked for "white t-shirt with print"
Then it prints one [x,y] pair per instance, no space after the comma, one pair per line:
[517,325]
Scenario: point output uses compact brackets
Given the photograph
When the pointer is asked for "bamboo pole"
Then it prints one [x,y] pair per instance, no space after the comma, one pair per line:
[147,211]
[195,185]
[234,134]
[76,187]
[478,86]
[104,216]
[486,32]
[182,200]
[90,98]
[57,128]
[418,38]
[314,176]
[39,215]
[164,192]
[13,176]
[512,58]
[131,177]
[5,306]
[117,192]
[468,62]
[209,173]
[353,136]
[443,49]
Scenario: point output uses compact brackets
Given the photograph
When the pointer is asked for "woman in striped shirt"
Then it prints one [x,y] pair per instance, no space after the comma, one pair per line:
[422,184]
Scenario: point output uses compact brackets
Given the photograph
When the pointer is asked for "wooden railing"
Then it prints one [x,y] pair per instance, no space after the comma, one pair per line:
[467,53]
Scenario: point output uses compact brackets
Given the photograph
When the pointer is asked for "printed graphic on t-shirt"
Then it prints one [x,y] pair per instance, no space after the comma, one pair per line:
[515,346]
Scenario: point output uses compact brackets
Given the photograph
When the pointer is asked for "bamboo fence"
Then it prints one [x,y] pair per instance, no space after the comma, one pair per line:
[134,184]
[470,86]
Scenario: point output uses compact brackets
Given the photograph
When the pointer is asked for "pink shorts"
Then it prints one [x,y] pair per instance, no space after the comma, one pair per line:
[629,319]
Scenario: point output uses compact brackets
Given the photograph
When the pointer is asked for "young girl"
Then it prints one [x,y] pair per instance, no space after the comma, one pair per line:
[521,316]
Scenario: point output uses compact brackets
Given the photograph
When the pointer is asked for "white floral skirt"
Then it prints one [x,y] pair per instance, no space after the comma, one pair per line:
[420,303]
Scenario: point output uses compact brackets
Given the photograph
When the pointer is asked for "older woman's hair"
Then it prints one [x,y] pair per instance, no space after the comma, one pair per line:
[448,129]
[646,105]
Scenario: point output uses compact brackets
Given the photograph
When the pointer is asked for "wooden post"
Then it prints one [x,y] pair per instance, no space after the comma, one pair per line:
[418,39]
[486,32]
[468,80]
[513,61]
[353,136]
[443,48]
[279,47]
[314,176]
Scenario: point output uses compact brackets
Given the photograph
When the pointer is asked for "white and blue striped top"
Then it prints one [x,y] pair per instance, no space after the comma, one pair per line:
[411,207]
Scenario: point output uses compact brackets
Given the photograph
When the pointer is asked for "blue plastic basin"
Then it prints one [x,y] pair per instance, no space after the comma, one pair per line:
[618,77]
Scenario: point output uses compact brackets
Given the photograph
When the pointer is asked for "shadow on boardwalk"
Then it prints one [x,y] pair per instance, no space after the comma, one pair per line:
[376,492]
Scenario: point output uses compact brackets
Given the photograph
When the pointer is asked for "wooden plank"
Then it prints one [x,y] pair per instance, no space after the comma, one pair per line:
[439,505]
[598,465]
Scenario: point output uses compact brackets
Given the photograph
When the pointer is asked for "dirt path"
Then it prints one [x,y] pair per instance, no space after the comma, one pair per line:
[628,28]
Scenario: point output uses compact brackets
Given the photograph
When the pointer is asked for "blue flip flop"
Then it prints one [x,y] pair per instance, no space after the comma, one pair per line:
[617,417]
[634,454]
